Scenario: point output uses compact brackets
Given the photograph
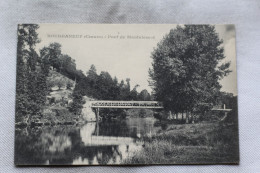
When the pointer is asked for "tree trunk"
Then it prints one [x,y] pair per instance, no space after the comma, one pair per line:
[192,118]
[187,117]
[170,114]
[182,116]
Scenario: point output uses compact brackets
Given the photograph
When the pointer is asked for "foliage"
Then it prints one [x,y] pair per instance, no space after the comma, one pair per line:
[60,83]
[77,103]
[34,83]
[185,71]
[230,102]
[103,87]
[133,113]
[144,95]
[31,87]
[188,144]
[69,85]
[64,64]
[50,83]
[51,54]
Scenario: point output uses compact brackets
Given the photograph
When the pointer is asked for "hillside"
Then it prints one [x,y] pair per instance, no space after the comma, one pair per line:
[58,100]
[60,88]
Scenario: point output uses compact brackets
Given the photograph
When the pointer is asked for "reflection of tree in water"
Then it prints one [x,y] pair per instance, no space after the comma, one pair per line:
[103,154]
[27,148]
[93,154]
[61,145]
[50,145]
[115,128]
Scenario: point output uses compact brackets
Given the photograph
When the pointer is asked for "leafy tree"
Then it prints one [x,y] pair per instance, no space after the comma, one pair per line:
[77,103]
[21,87]
[91,80]
[124,90]
[134,93]
[115,90]
[60,83]
[69,85]
[128,84]
[92,73]
[54,54]
[105,86]
[144,95]
[50,83]
[186,68]
[31,87]
[68,68]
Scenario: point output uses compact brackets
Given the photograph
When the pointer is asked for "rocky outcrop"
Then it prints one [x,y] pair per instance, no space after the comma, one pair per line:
[87,114]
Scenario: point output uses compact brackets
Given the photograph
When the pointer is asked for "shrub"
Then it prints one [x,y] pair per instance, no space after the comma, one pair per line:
[69,85]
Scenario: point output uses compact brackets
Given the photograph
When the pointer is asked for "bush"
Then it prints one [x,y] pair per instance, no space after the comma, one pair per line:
[69,85]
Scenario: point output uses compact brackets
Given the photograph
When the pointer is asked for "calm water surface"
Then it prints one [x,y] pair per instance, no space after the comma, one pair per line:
[91,143]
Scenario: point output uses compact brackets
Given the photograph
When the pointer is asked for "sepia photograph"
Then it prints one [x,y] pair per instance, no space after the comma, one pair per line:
[126,94]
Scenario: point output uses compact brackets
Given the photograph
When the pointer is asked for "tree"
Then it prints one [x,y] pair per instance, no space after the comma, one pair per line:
[21,87]
[115,90]
[144,95]
[77,103]
[69,85]
[105,85]
[124,90]
[186,68]
[50,83]
[134,94]
[92,76]
[31,87]
[60,83]
[64,64]
[128,84]
[92,71]
[51,55]
[65,61]
[54,54]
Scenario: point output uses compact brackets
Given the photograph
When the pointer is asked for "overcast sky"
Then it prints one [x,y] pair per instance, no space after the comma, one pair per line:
[125,58]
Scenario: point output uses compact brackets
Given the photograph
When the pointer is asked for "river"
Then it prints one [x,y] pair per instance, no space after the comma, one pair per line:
[88,144]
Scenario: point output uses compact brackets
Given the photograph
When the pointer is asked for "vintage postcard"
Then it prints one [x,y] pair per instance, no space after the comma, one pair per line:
[126,94]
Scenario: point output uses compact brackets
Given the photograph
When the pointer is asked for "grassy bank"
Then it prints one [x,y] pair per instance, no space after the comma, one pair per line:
[204,143]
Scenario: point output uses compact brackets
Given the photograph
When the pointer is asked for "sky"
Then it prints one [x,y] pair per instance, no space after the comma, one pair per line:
[109,48]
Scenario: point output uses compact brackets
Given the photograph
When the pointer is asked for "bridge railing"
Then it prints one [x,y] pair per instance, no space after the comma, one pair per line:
[221,110]
[126,104]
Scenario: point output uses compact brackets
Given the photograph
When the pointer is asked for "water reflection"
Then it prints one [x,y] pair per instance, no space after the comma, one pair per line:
[92,143]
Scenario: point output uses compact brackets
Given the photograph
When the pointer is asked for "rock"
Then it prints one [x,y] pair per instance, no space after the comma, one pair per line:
[87,113]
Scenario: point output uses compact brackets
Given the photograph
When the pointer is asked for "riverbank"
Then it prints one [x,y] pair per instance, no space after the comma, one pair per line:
[205,143]
[51,115]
